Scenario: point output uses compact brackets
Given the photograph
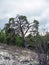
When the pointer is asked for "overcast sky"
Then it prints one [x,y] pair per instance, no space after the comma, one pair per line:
[33,9]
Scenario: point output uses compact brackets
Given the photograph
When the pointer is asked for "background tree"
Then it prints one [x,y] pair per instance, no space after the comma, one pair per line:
[41,47]
[10,33]
[35,27]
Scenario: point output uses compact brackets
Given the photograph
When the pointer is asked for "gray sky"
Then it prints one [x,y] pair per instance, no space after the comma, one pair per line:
[33,9]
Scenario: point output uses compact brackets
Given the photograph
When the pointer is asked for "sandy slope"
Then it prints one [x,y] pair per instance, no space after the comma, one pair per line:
[12,55]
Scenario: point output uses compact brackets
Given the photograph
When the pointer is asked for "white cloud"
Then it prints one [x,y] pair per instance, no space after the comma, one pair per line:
[23,6]
[33,9]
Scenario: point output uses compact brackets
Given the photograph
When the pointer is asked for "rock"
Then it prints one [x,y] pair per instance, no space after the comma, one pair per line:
[25,61]
[7,58]
[30,64]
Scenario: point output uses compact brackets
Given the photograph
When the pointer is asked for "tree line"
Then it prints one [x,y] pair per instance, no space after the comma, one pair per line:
[15,33]
[16,29]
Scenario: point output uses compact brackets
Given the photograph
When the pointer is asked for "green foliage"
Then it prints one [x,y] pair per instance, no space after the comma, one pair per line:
[47,35]
[18,40]
[30,41]
[2,37]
